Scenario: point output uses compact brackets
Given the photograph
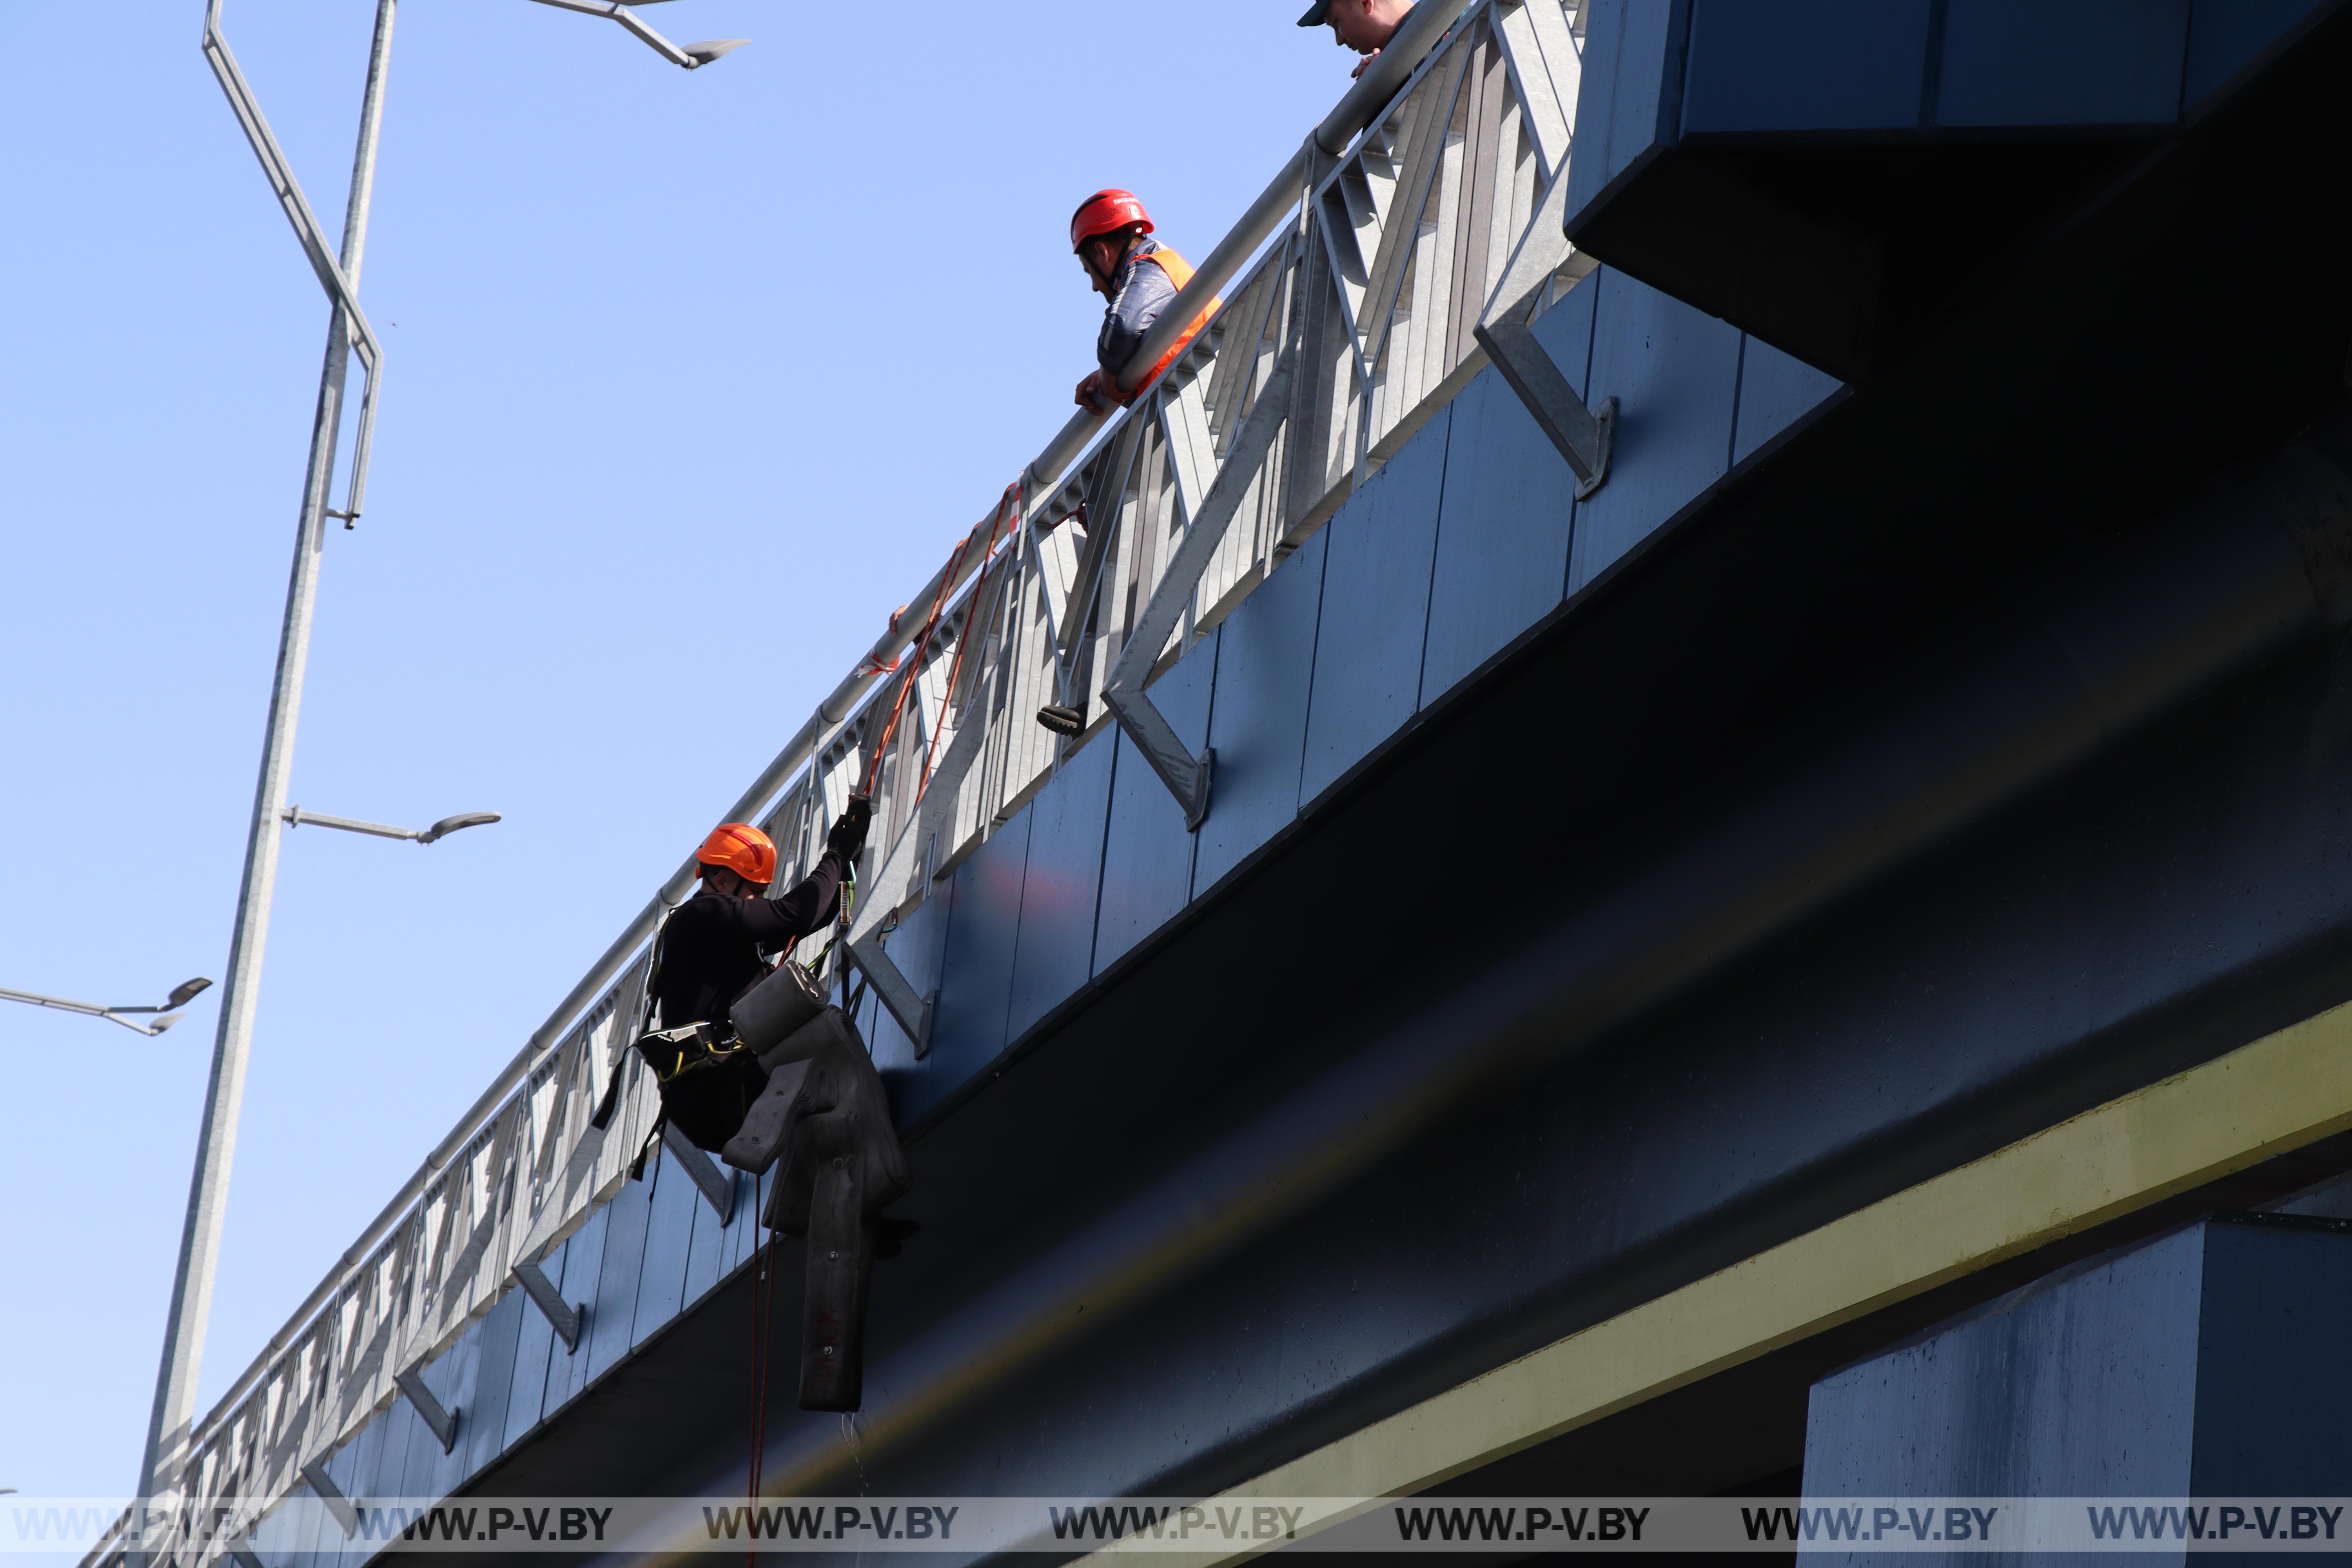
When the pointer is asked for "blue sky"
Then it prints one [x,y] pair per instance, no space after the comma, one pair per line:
[691,379]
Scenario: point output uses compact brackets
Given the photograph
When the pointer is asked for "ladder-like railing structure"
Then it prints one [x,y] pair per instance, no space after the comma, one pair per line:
[1417,224]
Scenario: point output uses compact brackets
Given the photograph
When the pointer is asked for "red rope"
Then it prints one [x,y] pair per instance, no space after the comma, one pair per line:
[914,664]
[915,667]
[1010,503]
[763,1301]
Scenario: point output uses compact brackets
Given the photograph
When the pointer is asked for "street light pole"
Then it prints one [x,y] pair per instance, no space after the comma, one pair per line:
[192,1288]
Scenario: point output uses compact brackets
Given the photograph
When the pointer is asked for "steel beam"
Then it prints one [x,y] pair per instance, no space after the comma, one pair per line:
[1187,776]
[1582,434]
[441,1421]
[714,1185]
[895,991]
[565,1318]
[315,1472]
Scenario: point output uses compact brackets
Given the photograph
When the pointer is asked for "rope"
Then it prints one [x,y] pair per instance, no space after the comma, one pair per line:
[914,659]
[763,1301]
[915,665]
[1011,502]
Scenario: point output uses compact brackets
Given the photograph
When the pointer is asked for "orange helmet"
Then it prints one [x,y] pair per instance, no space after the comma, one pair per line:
[1105,210]
[742,849]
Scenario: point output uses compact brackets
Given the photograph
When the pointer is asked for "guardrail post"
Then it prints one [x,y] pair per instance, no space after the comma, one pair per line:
[716,1185]
[1581,435]
[1188,777]
[441,1421]
[895,991]
[315,1472]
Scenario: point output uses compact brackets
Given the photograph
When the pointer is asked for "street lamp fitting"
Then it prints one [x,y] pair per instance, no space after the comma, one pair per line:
[295,817]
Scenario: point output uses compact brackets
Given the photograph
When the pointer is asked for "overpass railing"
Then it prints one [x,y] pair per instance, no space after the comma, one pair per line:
[1426,206]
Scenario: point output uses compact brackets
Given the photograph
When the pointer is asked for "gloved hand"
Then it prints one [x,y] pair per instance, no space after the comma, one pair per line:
[848,835]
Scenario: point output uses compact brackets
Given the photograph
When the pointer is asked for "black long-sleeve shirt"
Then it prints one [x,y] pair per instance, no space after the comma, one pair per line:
[714,948]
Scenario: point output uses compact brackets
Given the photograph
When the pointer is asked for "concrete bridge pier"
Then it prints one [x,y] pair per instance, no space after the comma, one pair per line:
[2207,1364]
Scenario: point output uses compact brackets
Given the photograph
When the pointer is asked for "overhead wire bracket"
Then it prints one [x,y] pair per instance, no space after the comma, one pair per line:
[323,259]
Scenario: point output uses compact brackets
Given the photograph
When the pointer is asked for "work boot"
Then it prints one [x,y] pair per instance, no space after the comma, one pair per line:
[1061,720]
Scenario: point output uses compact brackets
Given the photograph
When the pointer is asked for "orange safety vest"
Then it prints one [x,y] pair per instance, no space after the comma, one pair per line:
[1179,272]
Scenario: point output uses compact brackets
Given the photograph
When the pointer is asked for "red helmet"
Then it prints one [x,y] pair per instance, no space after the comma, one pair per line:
[742,849]
[1105,210]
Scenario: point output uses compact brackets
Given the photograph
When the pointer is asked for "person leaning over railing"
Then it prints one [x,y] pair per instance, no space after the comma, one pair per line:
[1111,235]
[1363,25]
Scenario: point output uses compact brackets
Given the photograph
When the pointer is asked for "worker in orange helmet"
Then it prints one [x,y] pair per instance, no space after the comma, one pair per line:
[1111,235]
[1363,25]
[715,944]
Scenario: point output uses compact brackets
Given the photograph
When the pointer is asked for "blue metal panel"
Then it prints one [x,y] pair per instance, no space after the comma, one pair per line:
[382,1453]
[2224,37]
[583,1262]
[356,1460]
[737,1240]
[669,1233]
[2079,1386]
[1148,859]
[1822,65]
[535,1342]
[499,1335]
[976,974]
[2273,1370]
[1062,884]
[1378,555]
[429,1471]
[1502,532]
[2086,62]
[293,1545]
[919,947]
[2208,1362]
[706,1255]
[1265,664]
[1776,390]
[1566,331]
[1675,372]
[612,1312]
[1624,105]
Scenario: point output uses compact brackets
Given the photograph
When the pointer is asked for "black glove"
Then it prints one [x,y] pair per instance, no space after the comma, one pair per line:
[848,835]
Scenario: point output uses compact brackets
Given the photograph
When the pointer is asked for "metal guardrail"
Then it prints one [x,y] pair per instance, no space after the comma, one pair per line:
[1423,207]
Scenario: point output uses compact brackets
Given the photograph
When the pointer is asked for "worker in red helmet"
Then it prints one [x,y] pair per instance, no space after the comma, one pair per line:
[1111,235]
[1363,25]
[715,945]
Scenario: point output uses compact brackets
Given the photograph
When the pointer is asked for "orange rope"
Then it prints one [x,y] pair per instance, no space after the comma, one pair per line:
[1012,503]
[915,667]
[914,664]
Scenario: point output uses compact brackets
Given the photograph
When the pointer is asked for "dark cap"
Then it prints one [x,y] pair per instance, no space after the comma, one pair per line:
[1314,17]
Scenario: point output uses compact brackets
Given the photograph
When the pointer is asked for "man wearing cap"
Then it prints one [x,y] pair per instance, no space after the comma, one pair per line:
[1363,25]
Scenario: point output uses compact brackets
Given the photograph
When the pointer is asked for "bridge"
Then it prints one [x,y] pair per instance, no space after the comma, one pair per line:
[1718,730]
